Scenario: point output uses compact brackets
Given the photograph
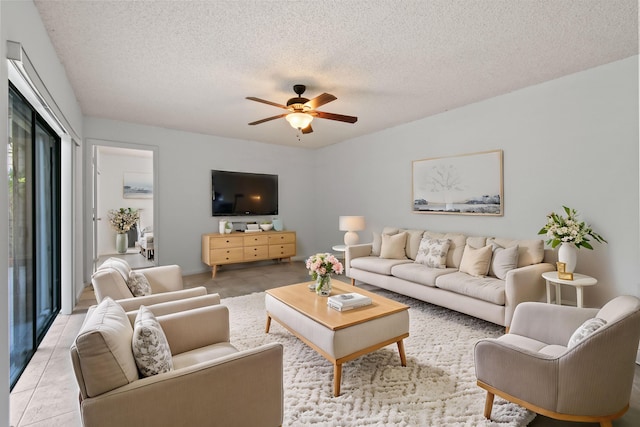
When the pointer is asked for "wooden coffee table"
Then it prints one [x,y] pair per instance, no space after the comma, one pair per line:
[338,336]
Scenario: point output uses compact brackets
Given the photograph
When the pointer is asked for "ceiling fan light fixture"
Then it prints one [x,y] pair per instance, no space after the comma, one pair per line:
[299,120]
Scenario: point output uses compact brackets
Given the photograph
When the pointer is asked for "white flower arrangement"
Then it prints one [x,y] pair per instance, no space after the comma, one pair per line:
[122,219]
[569,230]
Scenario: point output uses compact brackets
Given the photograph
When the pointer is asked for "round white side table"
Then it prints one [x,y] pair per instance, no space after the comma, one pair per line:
[340,248]
[579,282]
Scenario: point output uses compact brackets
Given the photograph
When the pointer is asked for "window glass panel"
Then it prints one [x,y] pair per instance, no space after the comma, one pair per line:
[33,168]
[20,249]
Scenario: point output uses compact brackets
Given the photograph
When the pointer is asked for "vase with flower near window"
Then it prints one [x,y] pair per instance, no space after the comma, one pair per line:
[121,220]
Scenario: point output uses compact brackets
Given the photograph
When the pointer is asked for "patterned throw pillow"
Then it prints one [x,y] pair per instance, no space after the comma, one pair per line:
[586,329]
[149,344]
[433,252]
[138,284]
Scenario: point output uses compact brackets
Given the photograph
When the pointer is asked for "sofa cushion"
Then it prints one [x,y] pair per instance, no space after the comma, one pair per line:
[150,347]
[103,348]
[393,246]
[532,345]
[433,252]
[419,273]
[476,261]
[121,266]
[203,354]
[487,289]
[503,261]
[530,252]
[377,265]
[138,284]
[377,239]
[477,242]
[109,282]
[456,246]
[414,237]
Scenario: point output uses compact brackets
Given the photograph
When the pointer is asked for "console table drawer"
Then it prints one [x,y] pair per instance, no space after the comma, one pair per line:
[225,256]
[282,251]
[256,252]
[256,240]
[226,242]
[282,238]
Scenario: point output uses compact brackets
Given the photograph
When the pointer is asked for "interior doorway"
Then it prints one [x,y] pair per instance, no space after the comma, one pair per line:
[123,176]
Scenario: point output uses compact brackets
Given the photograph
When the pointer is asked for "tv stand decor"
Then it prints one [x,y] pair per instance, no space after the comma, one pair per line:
[233,248]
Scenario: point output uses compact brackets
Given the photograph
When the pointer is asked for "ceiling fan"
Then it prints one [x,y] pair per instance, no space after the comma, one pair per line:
[301,111]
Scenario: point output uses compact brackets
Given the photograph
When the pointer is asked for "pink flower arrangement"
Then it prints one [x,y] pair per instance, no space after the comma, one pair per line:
[323,264]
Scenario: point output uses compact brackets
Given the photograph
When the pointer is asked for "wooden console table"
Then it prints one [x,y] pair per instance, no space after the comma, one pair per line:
[236,247]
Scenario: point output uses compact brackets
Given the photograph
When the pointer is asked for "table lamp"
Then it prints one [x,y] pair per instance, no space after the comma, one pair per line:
[351,224]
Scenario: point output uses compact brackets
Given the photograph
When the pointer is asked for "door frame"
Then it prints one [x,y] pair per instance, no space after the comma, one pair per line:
[90,227]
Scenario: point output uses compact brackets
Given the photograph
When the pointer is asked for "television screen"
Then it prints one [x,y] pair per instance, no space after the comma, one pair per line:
[241,193]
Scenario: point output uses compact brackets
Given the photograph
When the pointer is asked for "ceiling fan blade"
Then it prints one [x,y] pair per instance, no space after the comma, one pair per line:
[252,98]
[320,100]
[338,117]
[267,119]
[308,129]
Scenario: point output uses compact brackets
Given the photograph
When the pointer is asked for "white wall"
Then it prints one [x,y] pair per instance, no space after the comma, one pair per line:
[112,168]
[20,22]
[185,161]
[572,141]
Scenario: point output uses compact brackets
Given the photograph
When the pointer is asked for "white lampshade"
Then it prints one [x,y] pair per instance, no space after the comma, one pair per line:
[351,224]
[299,120]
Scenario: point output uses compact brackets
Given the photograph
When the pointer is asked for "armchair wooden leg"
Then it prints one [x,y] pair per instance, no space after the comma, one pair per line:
[488,405]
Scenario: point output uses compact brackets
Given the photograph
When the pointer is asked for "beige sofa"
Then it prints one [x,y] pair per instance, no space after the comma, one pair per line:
[486,297]
[210,382]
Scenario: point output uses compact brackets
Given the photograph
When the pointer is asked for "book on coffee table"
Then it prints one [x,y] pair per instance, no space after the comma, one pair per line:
[348,301]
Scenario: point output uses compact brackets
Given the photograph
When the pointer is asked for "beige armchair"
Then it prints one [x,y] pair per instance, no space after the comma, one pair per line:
[535,366]
[110,280]
[211,383]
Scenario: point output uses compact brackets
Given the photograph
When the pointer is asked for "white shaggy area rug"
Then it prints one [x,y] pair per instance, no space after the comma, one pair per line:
[436,388]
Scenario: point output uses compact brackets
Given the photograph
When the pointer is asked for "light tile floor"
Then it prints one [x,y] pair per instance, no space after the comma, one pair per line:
[47,393]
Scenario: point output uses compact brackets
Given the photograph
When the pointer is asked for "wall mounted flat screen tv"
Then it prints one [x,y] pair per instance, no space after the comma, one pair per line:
[242,193]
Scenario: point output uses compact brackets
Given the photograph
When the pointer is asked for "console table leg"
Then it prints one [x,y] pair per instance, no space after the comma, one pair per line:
[337,377]
[214,270]
[268,326]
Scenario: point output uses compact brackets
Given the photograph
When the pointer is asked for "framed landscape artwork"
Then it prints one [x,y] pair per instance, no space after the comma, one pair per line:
[468,184]
[137,185]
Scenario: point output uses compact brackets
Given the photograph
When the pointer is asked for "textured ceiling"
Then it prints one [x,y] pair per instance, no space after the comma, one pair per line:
[189,65]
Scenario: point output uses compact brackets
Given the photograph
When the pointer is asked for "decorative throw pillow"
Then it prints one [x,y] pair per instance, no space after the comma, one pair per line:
[475,262]
[393,246]
[433,252]
[503,261]
[586,329]
[149,344]
[138,284]
[377,239]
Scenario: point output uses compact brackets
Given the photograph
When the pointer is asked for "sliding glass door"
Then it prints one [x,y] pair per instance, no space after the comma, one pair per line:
[33,166]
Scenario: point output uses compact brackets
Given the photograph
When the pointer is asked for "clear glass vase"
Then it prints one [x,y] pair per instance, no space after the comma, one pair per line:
[323,285]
